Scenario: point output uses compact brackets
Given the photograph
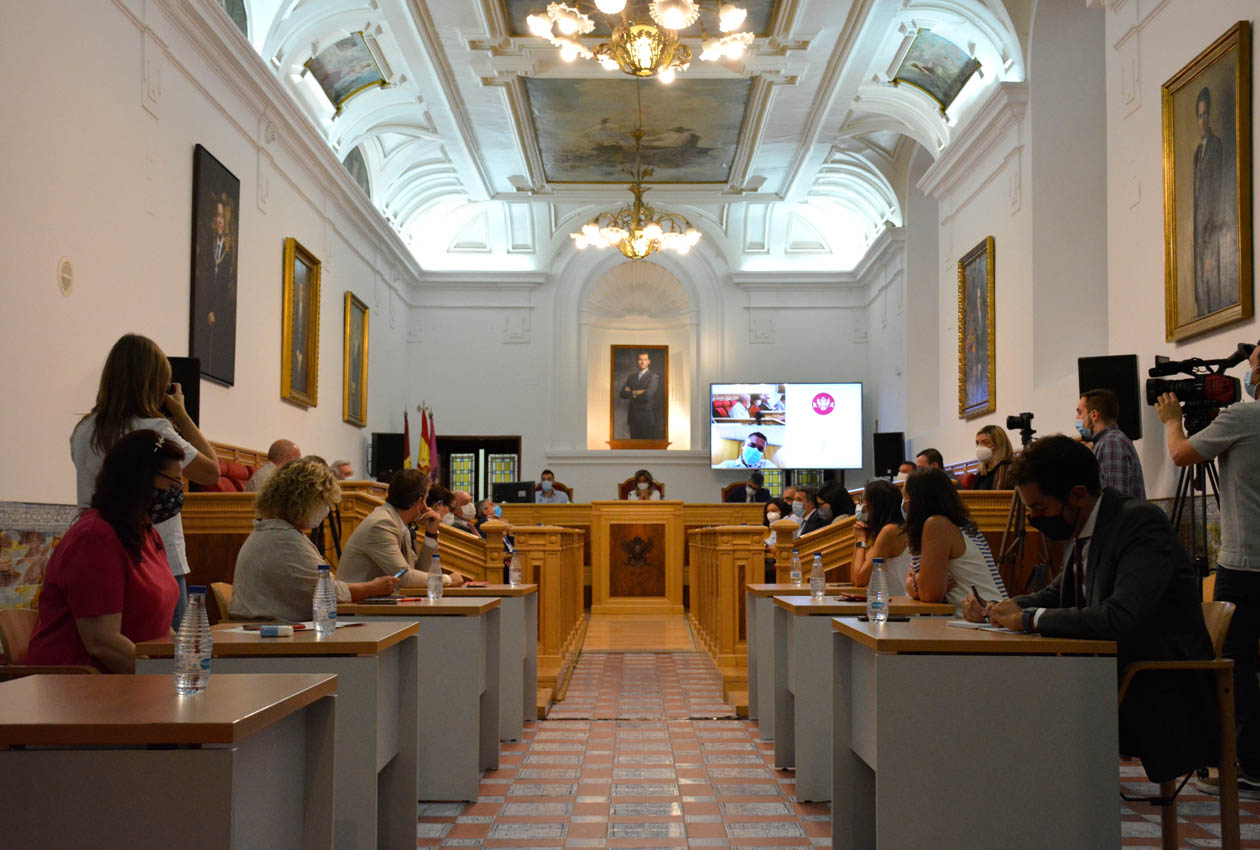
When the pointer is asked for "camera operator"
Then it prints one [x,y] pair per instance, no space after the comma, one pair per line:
[1233,439]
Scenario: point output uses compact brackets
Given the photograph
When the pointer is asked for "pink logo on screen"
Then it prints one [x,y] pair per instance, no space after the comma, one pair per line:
[824,404]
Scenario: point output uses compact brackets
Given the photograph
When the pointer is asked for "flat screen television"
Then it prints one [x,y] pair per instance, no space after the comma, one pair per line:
[804,425]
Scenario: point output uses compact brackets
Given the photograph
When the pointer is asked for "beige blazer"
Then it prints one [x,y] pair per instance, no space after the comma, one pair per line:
[275,576]
[380,546]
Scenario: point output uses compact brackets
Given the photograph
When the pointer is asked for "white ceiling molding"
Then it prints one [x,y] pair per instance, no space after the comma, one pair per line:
[803,237]
[636,290]
[473,237]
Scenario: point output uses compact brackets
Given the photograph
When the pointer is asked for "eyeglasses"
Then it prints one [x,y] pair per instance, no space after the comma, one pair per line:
[170,479]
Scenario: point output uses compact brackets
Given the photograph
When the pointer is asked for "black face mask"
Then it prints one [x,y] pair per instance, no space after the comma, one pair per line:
[166,503]
[1054,527]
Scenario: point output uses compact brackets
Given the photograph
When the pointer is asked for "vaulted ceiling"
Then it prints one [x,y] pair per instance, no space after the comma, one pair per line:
[485,149]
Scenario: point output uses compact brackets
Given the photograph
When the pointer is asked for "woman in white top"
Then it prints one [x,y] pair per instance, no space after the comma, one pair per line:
[880,534]
[643,487]
[278,565]
[951,555]
[136,393]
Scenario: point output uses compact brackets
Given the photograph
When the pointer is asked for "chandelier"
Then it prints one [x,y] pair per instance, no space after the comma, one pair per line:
[637,230]
[642,47]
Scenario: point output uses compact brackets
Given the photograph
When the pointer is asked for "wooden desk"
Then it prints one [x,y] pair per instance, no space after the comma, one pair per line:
[518,653]
[948,737]
[247,763]
[458,683]
[376,746]
[759,632]
[802,687]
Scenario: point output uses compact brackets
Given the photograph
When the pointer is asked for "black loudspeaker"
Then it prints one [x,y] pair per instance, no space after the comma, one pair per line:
[186,371]
[387,454]
[890,452]
[1118,373]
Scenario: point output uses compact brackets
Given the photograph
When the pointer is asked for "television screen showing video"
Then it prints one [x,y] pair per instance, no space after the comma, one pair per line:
[785,426]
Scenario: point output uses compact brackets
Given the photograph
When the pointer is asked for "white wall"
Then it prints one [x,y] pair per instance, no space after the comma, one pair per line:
[92,176]
[1145,45]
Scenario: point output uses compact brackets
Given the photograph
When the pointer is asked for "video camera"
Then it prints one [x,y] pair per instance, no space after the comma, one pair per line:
[1205,392]
[1022,422]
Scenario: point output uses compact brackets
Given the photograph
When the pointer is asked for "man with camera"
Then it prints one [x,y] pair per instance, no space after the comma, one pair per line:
[1233,440]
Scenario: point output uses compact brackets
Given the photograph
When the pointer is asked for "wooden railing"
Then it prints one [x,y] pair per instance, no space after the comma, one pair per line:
[551,557]
[474,557]
[723,559]
[833,542]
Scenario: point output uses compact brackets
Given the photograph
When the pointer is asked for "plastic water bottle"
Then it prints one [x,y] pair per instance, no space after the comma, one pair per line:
[435,579]
[514,571]
[795,575]
[877,593]
[817,578]
[324,606]
[193,645]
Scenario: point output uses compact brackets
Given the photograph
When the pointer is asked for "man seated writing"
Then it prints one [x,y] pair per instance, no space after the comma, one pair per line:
[1125,578]
[382,544]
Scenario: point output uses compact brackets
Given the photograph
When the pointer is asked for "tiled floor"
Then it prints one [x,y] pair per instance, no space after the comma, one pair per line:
[643,686]
[1198,815]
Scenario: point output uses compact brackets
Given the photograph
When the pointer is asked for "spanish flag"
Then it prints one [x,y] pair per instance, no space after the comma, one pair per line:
[406,442]
[423,455]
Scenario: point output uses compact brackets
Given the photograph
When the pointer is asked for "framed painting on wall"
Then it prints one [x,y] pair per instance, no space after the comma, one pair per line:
[977,376]
[299,347]
[935,66]
[215,227]
[345,68]
[1207,189]
[355,363]
[639,397]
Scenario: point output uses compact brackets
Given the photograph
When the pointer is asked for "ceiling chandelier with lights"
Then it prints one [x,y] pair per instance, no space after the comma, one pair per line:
[637,230]
[642,46]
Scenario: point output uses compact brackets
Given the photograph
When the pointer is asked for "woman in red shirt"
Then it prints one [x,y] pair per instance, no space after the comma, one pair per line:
[108,584]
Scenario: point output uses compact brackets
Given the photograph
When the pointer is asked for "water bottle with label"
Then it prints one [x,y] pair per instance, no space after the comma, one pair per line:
[194,645]
[877,593]
[435,578]
[324,605]
[795,575]
[817,578]
[514,570]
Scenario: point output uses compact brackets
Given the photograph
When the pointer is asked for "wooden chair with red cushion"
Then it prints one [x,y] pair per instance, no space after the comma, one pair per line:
[729,488]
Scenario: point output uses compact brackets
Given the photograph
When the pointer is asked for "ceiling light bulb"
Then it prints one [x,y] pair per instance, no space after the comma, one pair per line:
[666,76]
[641,50]
[539,25]
[610,7]
[580,241]
[652,231]
[609,63]
[730,17]
[674,14]
[568,51]
[567,24]
[710,50]
[693,236]
[682,248]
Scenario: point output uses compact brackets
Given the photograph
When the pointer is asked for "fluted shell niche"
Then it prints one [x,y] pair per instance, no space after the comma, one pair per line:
[638,303]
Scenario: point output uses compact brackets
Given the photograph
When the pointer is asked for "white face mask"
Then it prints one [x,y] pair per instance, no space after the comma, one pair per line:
[468,511]
[643,485]
[448,519]
[772,516]
[901,476]
[984,454]
[317,517]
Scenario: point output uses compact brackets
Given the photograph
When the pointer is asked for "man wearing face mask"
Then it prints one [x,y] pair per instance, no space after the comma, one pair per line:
[753,455]
[547,494]
[464,512]
[1125,578]
[1118,462]
[1232,439]
[754,490]
[903,471]
[382,544]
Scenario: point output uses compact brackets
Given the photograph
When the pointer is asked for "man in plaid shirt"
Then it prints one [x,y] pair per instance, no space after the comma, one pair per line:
[1118,463]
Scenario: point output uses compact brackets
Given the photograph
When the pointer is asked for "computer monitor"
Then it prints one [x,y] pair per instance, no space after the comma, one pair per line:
[513,491]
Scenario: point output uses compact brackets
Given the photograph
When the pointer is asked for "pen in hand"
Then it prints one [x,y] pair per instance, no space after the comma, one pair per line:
[980,600]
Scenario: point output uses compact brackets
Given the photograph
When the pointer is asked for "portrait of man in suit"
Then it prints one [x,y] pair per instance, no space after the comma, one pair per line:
[216,201]
[639,393]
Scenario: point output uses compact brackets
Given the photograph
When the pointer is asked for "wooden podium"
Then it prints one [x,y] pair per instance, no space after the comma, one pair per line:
[637,557]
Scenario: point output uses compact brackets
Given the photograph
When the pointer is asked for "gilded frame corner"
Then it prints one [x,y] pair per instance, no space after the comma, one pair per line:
[987,405]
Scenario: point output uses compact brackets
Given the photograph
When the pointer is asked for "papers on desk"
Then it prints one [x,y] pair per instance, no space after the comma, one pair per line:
[308,626]
[986,627]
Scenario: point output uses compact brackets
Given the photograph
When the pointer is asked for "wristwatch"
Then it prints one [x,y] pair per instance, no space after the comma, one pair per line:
[858,544]
[1029,616]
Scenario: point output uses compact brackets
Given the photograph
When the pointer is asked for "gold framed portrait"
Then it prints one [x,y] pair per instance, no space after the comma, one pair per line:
[977,367]
[355,363]
[638,404]
[299,346]
[1206,110]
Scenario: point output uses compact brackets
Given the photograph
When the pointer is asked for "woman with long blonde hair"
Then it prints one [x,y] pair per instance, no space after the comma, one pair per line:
[136,393]
[994,451]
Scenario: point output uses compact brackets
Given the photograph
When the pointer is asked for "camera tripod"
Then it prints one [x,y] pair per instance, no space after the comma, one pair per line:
[1016,533]
[1197,478]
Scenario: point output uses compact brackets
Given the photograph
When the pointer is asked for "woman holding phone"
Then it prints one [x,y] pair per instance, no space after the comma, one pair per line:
[136,393]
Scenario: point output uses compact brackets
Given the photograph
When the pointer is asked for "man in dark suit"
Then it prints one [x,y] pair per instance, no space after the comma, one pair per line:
[641,388]
[812,519]
[1126,579]
[753,491]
